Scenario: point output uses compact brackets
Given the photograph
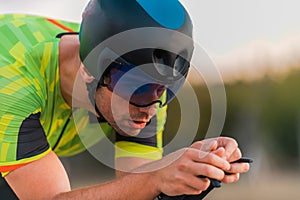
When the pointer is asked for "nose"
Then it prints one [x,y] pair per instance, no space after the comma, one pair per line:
[156,92]
[148,94]
[149,110]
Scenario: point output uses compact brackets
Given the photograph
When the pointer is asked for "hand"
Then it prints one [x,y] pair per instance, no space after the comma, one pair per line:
[180,176]
[231,153]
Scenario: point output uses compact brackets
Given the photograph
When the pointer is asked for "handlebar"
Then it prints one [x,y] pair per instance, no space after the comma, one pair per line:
[213,184]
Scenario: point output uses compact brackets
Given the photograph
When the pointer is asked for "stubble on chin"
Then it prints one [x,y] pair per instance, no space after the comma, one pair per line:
[124,131]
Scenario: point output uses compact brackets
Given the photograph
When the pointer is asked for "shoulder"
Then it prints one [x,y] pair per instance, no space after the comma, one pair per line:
[69,48]
[31,30]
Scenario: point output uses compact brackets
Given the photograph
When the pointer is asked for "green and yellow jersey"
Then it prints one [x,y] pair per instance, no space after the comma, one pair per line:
[34,118]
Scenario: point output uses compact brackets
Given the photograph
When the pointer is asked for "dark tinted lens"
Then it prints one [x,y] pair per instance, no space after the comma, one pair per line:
[139,87]
[115,72]
[147,95]
[142,90]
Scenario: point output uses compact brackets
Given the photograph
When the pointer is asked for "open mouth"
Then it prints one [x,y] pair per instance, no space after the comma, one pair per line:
[137,124]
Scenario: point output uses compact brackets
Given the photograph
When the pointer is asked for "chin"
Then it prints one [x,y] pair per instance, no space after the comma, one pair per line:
[129,133]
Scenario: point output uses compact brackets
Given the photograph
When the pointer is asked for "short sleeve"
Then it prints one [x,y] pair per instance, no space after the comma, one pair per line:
[22,144]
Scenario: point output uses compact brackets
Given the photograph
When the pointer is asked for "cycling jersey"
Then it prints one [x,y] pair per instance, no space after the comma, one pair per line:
[34,117]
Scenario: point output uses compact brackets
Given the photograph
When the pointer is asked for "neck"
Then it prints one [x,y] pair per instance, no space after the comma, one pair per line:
[68,70]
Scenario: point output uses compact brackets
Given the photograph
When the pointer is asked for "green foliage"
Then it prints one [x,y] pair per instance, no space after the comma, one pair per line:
[271,104]
[276,104]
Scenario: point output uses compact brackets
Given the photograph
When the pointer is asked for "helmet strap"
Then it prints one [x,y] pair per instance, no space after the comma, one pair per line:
[92,87]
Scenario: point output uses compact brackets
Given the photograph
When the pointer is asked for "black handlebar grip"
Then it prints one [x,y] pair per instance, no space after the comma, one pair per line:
[213,184]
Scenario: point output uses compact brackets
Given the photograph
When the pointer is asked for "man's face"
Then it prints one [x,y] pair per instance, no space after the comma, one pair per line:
[125,118]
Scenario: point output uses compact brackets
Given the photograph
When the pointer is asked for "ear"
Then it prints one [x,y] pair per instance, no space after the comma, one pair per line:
[85,75]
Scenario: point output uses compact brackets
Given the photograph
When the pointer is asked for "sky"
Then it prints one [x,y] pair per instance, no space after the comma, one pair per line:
[226,29]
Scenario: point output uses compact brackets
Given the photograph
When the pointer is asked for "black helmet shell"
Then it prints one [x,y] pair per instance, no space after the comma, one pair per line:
[105,22]
[103,19]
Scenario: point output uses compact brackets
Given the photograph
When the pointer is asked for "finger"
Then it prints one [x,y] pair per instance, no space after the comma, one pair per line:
[198,184]
[208,158]
[239,168]
[229,144]
[206,145]
[231,178]
[210,171]
[187,184]
[220,152]
[200,168]
[186,190]
[214,159]
[237,154]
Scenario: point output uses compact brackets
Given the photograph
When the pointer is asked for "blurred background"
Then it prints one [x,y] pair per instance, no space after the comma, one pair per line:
[256,46]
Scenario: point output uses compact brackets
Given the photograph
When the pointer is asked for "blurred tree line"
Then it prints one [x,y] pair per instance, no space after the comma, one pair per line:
[263,113]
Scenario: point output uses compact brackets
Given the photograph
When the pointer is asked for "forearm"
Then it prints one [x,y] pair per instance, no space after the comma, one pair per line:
[132,186]
[125,165]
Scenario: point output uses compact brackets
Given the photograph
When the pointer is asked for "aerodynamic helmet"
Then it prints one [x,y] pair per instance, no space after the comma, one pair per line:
[136,46]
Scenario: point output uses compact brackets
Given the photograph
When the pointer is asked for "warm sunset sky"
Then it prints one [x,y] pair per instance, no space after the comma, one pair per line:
[220,26]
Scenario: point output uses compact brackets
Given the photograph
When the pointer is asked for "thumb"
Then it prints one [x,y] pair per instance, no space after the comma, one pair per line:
[207,145]
[220,152]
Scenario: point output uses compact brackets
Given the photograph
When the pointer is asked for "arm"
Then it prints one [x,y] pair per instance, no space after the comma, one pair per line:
[43,178]
[175,174]
[224,147]
[46,179]
[123,167]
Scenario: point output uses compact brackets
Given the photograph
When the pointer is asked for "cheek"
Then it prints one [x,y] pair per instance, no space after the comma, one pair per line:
[103,102]
[112,107]
[119,106]
[118,110]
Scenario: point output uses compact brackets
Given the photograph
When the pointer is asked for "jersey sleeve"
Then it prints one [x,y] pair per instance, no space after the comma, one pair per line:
[22,139]
[20,101]
[28,145]
[148,144]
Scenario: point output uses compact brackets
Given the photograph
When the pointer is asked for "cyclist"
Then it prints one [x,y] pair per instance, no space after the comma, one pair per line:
[38,73]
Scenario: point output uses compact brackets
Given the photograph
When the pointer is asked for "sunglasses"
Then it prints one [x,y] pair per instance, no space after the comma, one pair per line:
[141,85]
